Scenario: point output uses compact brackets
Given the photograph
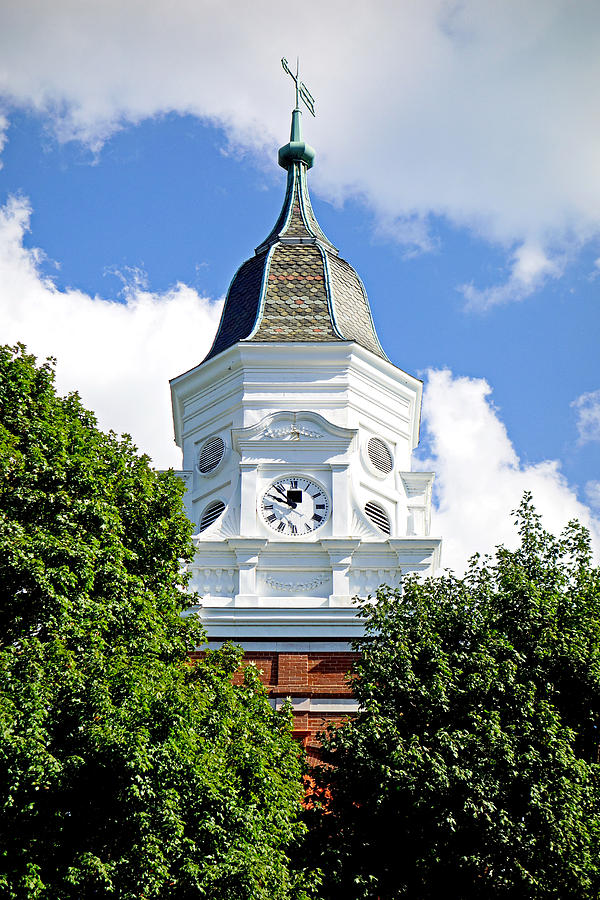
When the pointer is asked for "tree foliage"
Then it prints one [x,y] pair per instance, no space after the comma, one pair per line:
[472,769]
[125,771]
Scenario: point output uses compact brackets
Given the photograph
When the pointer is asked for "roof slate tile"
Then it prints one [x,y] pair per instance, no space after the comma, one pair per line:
[309,292]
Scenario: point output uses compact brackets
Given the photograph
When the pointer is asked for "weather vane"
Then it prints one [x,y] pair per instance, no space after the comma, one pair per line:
[302,92]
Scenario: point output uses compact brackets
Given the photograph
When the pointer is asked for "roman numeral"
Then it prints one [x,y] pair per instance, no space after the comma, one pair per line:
[271,518]
[319,506]
[281,526]
[307,527]
[268,505]
[293,529]
[318,494]
[293,483]
[317,518]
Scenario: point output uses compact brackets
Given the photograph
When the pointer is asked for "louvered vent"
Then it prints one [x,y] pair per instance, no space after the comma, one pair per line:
[211,455]
[211,514]
[380,456]
[378,516]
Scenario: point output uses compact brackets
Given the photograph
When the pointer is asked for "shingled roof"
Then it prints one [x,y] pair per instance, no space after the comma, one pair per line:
[296,287]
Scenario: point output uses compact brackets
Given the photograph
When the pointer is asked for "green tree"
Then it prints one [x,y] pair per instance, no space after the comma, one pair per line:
[125,770]
[472,769]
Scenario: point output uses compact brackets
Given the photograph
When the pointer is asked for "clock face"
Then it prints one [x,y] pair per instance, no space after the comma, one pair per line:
[294,505]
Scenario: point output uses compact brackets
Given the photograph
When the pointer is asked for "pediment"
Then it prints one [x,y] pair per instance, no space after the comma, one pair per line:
[304,426]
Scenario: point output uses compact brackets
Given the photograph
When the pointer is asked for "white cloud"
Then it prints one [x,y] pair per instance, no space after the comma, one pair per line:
[480,478]
[411,231]
[588,416]
[118,355]
[483,113]
[592,492]
[531,267]
[3,130]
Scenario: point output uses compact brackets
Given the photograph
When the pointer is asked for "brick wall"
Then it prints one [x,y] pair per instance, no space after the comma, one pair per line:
[302,674]
[306,676]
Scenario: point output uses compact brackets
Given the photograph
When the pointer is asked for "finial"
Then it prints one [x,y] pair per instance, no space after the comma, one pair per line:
[297,150]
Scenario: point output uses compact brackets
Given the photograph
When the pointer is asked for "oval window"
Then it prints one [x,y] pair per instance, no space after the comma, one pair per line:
[211,454]
[380,456]
[378,516]
[211,514]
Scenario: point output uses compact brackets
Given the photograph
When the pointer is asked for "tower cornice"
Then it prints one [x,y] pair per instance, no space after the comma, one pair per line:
[274,362]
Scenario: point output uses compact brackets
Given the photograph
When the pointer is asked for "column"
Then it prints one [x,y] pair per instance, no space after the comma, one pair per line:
[340,559]
[247,552]
[340,500]
[248,481]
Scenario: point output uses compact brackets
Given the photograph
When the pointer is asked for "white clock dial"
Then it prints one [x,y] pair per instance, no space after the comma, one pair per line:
[294,506]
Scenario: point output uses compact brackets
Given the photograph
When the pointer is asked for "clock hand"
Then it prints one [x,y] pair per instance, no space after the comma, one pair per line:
[283,493]
[290,503]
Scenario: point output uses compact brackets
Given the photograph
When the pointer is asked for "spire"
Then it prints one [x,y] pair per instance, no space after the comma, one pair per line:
[297,222]
[296,288]
[297,150]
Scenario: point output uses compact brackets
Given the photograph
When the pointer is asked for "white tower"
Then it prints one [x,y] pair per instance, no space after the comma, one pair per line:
[297,434]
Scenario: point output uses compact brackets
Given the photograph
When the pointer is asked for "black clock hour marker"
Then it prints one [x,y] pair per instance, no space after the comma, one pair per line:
[317,518]
[293,529]
[307,528]
[271,518]
[319,506]
[293,482]
[268,505]
[281,526]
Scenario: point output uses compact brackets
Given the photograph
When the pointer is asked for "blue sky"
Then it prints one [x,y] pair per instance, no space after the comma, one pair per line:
[458,176]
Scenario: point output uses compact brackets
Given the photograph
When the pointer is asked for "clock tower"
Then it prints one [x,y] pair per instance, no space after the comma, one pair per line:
[297,433]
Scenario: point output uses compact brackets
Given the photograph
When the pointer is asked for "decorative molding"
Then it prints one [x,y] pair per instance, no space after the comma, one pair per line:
[247,549]
[297,587]
[417,485]
[364,581]
[291,432]
[361,527]
[215,580]
[230,526]
[289,425]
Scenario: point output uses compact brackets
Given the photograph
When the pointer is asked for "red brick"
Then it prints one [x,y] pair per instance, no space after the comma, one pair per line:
[303,675]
